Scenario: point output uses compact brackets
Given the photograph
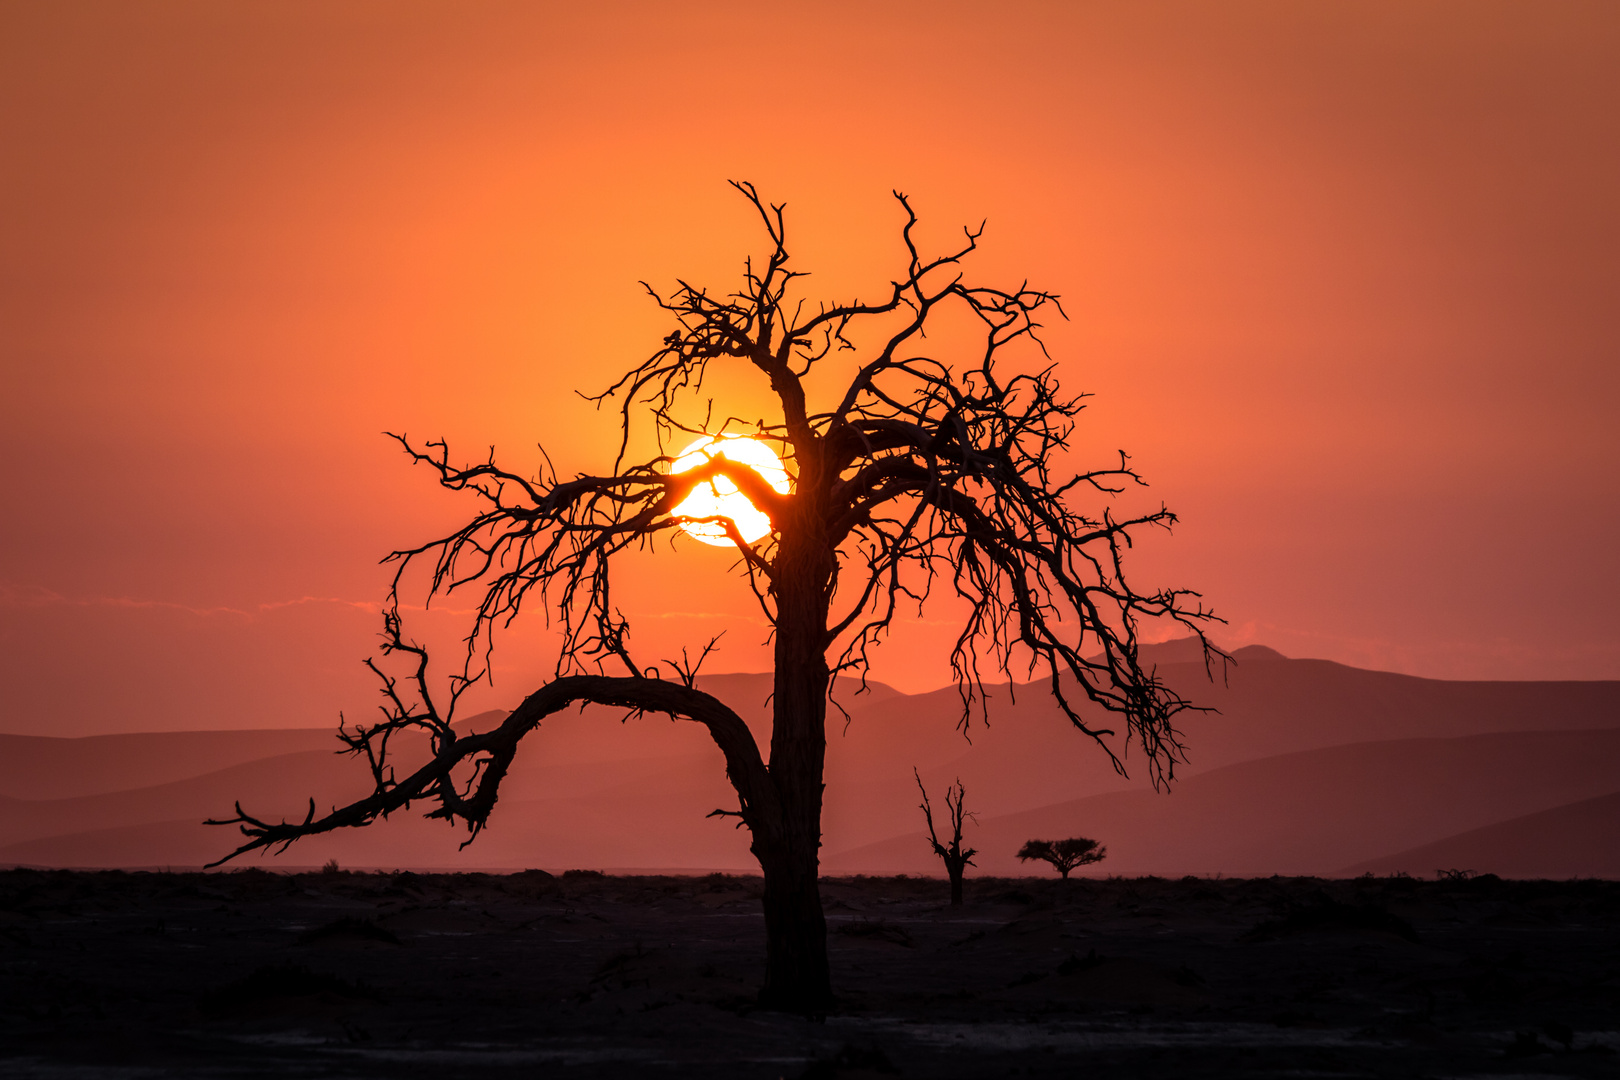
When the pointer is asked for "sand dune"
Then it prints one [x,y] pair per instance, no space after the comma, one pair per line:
[588,789]
[1314,812]
[1581,839]
[1308,813]
[37,767]
[281,785]
[635,832]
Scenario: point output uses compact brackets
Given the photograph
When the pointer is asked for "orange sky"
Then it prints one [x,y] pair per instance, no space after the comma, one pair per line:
[1343,278]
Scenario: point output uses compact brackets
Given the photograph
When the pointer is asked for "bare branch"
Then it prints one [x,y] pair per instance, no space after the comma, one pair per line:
[925,471]
[491,753]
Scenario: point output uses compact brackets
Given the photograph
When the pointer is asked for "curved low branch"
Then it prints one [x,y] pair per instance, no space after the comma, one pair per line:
[493,751]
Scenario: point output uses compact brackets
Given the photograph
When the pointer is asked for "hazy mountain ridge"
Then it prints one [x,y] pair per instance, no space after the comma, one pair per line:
[42,767]
[587,789]
[1578,839]
[1300,813]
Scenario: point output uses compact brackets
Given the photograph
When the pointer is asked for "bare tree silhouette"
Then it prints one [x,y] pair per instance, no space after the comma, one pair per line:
[955,859]
[1064,855]
[924,470]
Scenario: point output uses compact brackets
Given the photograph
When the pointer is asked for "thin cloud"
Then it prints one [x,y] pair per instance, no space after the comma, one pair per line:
[34,596]
[732,616]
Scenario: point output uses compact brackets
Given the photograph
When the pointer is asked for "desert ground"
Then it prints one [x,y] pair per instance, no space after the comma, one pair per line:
[253,973]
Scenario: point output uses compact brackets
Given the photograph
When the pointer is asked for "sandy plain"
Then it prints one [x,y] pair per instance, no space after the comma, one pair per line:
[336,974]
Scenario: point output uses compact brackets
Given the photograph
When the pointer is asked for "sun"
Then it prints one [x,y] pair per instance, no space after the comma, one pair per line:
[720,497]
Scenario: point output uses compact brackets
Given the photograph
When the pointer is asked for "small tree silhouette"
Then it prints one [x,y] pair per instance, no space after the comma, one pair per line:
[1064,855]
[956,860]
[916,461]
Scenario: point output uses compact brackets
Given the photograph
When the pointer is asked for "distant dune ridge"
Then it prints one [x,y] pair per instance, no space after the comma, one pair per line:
[1581,839]
[1309,767]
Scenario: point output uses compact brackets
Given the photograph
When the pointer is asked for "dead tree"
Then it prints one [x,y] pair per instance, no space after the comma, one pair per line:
[927,470]
[1064,855]
[955,859]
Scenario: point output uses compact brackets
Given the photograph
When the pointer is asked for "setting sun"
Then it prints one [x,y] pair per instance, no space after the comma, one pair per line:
[720,496]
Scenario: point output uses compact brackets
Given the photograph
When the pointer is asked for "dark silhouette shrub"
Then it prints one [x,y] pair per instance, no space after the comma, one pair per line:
[1064,855]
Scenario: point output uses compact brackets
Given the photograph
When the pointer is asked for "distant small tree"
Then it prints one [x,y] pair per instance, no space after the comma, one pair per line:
[1064,855]
[956,860]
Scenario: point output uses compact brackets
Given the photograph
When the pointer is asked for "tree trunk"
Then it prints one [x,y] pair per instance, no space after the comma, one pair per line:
[797,978]
[956,884]
[796,972]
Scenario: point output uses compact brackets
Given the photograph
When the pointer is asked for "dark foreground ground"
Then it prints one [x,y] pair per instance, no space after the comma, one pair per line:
[405,975]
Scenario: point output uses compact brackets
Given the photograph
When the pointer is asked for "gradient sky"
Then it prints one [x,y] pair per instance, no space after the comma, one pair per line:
[1343,277]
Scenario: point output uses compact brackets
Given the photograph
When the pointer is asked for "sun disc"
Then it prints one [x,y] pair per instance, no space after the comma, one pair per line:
[720,497]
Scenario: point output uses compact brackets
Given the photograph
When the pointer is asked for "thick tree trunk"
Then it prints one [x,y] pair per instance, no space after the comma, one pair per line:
[797,978]
[796,972]
[956,884]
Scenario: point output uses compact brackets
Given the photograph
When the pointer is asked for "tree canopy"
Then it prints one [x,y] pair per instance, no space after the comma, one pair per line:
[1064,855]
[928,470]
